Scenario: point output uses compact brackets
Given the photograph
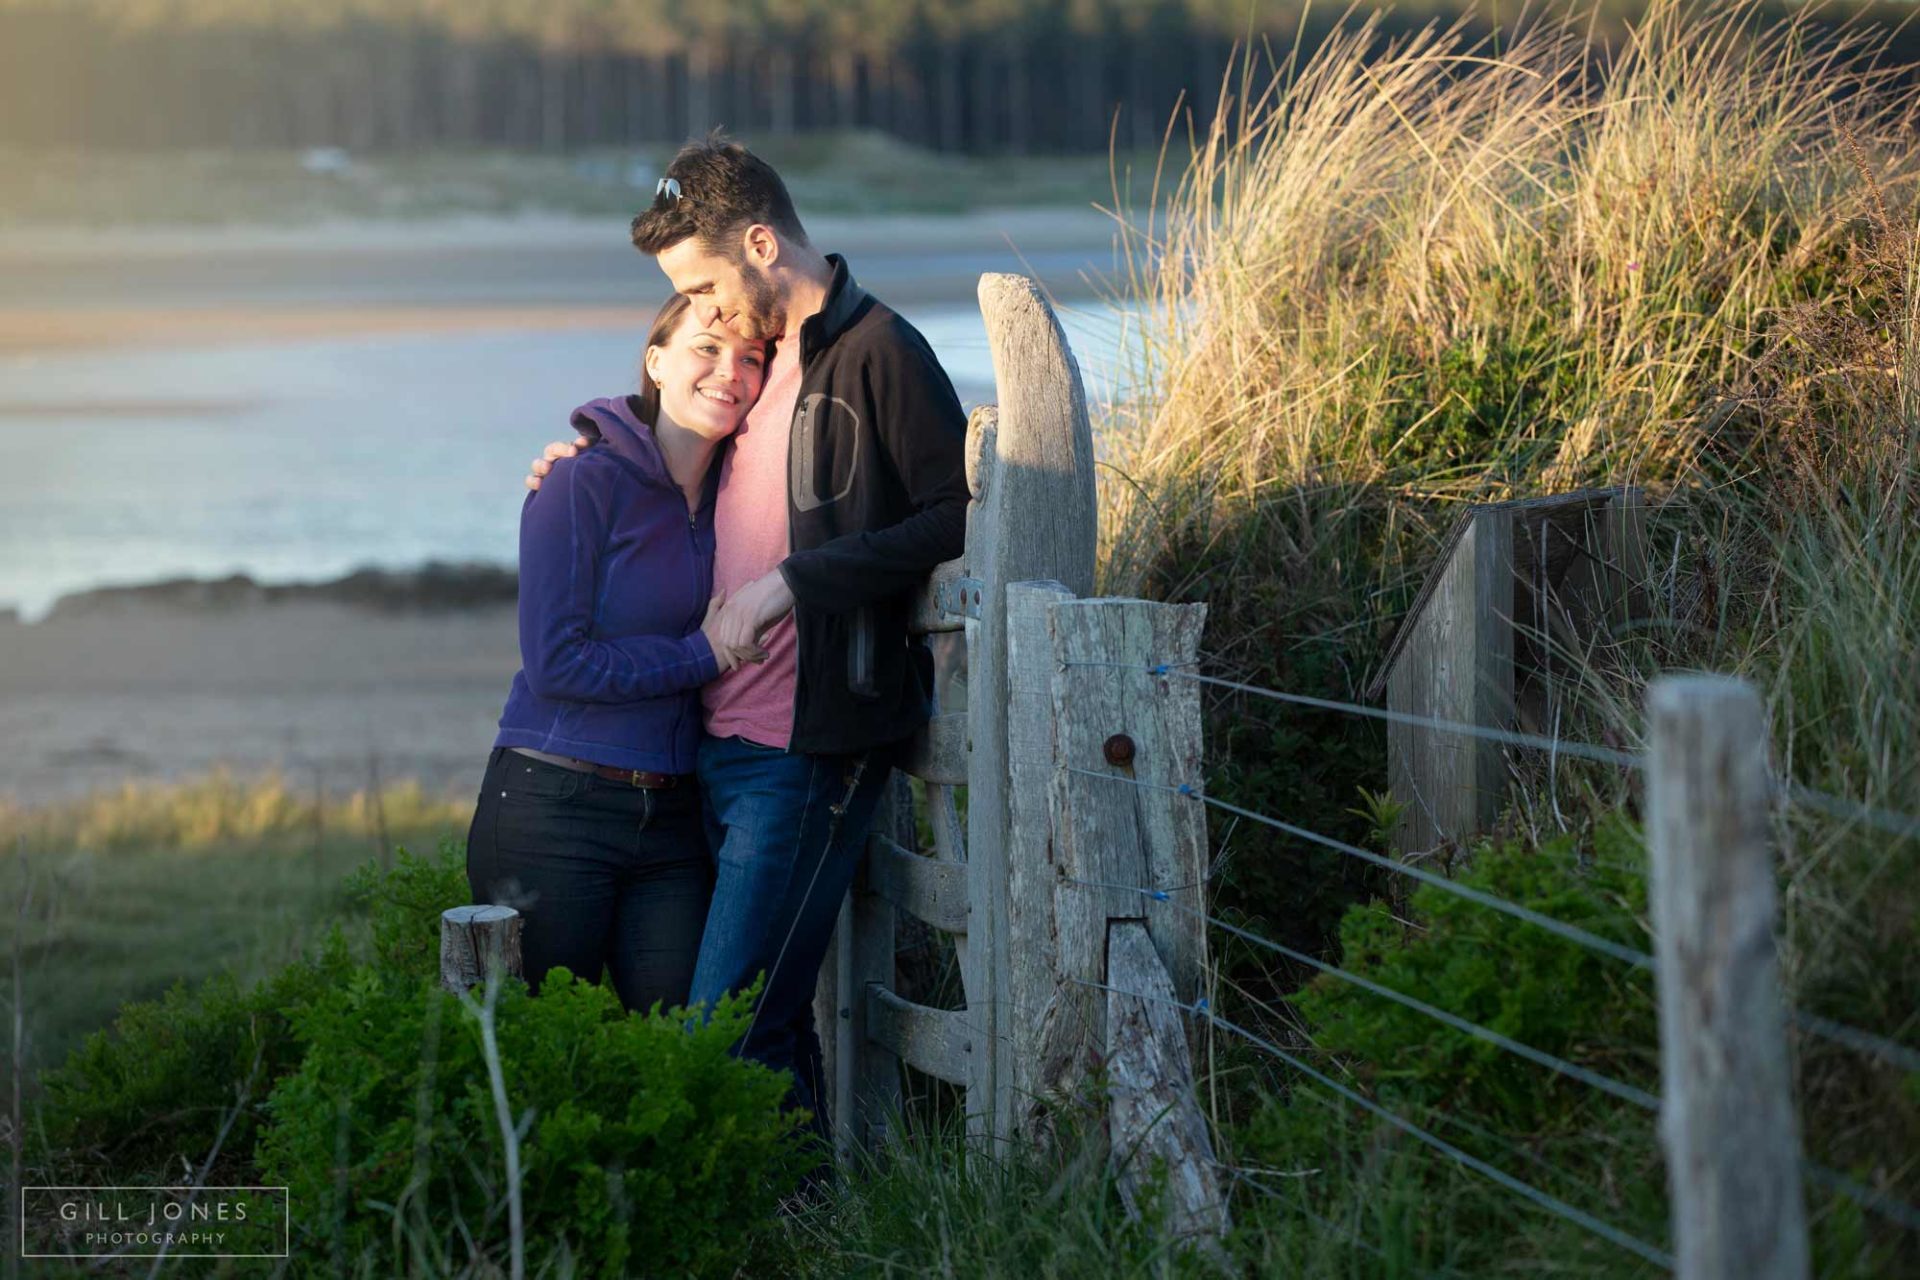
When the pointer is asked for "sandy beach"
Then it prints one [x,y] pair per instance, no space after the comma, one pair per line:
[316,691]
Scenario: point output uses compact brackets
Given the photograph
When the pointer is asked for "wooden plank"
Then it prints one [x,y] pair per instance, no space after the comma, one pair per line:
[1457,665]
[1030,466]
[1031,942]
[930,888]
[938,753]
[862,1080]
[1154,1120]
[1107,831]
[936,1041]
[926,617]
[876,1072]
[1726,1098]
[474,937]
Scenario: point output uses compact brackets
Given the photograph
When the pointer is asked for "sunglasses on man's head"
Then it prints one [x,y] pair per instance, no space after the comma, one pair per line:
[669,187]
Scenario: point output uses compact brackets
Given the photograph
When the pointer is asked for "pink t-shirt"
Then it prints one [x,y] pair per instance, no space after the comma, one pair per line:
[755,700]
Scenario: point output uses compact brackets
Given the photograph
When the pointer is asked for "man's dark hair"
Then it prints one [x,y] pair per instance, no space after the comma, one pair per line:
[723,189]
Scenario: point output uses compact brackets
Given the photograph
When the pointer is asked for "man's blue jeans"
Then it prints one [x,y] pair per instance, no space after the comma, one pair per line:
[787,831]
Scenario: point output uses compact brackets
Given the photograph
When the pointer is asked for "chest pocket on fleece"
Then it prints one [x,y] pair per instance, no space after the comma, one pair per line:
[823,457]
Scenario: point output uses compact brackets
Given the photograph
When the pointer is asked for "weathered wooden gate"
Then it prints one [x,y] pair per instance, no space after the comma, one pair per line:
[1040,885]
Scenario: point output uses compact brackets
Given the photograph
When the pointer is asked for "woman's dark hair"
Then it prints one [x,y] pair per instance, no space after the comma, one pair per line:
[658,336]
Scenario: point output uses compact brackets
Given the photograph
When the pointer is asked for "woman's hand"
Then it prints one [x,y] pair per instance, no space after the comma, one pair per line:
[543,464]
[728,655]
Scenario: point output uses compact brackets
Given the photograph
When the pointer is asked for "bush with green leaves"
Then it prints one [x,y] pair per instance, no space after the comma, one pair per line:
[153,1089]
[646,1147]
[353,1078]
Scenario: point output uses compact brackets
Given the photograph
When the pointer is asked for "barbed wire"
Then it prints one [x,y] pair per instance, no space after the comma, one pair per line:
[1573,1070]
[1526,1190]
[1572,933]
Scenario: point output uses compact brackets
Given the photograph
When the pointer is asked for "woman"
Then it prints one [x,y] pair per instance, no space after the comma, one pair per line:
[589,820]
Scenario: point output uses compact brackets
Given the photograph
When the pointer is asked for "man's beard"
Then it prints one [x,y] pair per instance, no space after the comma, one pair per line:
[765,313]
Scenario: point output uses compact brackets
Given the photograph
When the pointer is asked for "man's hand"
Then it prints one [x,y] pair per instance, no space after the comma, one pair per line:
[753,609]
[558,449]
[728,656]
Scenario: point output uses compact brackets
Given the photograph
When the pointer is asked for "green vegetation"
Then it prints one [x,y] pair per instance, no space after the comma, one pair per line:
[1382,289]
[351,1077]
[130,891]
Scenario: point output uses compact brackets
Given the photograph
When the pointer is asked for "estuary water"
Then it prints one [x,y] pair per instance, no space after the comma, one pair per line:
[304,457]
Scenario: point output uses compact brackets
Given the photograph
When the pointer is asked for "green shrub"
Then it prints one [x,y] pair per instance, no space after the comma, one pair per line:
[1417,1207]
[647,1148]
[156,1086]
[1506,975]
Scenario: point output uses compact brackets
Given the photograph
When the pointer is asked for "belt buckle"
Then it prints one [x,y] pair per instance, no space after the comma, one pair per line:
[633,778]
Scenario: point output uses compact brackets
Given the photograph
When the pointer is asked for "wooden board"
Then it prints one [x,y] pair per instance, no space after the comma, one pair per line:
[932,889]
[938,753]
[1110,832]
[936,1041]
[1031,936]
[1033,517]
[1456,665]
[927,617]
[1154,1120]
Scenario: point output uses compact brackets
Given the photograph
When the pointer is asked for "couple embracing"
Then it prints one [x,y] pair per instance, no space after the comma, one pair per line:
[714,586]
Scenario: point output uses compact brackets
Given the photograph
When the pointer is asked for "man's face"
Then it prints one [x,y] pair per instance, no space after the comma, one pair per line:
[724,290]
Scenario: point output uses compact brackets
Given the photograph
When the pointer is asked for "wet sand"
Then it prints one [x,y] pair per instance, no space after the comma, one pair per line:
[312,690]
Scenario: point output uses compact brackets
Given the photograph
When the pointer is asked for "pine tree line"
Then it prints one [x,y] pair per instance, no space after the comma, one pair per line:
[955,75]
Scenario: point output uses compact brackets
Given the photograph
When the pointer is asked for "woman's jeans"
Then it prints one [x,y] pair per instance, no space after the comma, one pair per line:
[787,832]
[607,875]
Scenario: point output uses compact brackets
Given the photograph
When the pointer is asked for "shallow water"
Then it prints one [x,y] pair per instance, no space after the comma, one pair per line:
[304,460]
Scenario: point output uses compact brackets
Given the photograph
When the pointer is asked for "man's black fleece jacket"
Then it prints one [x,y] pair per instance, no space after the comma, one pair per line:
[876,497]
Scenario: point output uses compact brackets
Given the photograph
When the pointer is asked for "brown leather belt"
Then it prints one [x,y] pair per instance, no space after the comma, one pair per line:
[641,778]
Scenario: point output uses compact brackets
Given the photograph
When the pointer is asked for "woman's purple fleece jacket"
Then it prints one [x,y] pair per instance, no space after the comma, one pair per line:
[614,582]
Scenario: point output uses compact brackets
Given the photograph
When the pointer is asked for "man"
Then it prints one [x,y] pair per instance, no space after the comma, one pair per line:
[845,487]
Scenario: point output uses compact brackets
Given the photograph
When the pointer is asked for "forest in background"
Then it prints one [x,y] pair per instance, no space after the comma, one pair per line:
[981,76]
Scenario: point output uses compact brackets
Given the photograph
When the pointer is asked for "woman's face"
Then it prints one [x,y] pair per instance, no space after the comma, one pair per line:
[709,376]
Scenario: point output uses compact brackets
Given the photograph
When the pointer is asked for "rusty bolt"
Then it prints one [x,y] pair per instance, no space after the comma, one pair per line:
[1119,749]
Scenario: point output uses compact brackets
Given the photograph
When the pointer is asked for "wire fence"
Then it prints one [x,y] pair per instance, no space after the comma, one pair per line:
[1880,1047]
[1526,1190]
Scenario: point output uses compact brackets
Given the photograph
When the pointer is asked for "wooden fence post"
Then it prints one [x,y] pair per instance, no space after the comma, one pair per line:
[1033,948]
[474,936]
[1034,518]
[1727,1117]
[1124,741]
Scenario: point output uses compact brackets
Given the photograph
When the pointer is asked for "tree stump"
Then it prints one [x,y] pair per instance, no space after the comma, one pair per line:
[471,937]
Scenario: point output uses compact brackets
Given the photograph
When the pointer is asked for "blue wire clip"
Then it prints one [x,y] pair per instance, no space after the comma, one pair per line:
[1162,669]
[1159,895]
[1185,789]
[1200,1005]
